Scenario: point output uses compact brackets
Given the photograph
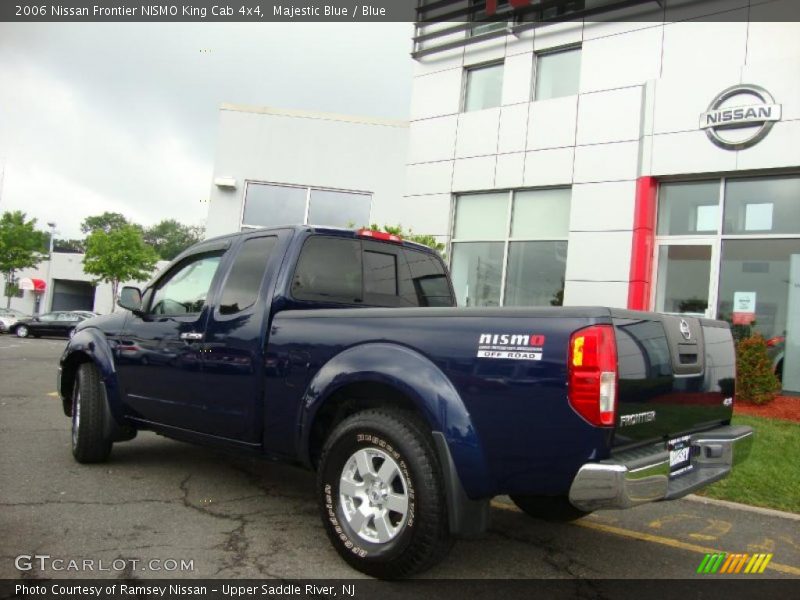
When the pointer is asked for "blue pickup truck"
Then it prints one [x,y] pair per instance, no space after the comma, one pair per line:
[344,352]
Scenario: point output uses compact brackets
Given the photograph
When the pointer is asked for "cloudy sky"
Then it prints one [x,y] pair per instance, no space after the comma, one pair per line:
[123,117]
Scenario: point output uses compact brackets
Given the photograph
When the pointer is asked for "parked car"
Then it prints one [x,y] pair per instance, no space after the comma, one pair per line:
[775,348]
[9,316]
[59,323]
[344,352]
[86,313]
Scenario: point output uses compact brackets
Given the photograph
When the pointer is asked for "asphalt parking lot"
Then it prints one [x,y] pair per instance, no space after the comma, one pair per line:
[162,500]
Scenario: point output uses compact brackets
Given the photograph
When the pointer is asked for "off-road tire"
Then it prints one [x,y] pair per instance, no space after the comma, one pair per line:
[89,441]
[548,508]
[423,538]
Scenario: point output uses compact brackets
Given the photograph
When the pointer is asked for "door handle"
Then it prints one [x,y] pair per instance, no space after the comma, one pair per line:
[191,336]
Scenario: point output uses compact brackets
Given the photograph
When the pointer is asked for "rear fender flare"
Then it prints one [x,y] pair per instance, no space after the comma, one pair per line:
[418,379]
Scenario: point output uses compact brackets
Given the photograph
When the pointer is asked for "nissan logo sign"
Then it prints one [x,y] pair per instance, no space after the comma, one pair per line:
[721,117]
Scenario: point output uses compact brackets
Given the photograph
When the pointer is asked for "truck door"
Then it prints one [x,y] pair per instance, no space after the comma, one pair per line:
[236,337]
[159,355]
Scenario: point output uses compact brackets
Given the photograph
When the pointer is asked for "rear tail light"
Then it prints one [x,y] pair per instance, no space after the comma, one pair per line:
[592,370]
[774,341]
[379,235]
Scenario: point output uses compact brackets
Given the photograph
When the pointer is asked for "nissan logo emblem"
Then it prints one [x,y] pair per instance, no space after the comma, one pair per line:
[685,331]
[718,118]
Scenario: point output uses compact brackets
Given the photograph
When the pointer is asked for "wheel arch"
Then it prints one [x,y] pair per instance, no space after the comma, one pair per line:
[384,374]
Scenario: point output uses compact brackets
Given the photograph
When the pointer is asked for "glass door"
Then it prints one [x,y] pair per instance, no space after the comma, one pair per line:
[686,270]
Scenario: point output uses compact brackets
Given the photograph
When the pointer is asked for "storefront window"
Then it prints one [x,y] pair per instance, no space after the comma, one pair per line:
[683,275]
[744,273]
[533,248]
[758,272]
[689,208]
[338,209]
[762,205]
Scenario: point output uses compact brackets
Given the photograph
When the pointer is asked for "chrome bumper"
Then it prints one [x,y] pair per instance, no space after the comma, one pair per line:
[643,475]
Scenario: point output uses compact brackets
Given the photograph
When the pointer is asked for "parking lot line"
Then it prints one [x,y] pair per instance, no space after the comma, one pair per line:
[654,539]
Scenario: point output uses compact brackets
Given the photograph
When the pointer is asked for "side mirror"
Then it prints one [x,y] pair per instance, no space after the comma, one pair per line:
[130,298]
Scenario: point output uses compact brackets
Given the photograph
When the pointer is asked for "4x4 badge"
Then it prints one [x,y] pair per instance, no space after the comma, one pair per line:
[685,331]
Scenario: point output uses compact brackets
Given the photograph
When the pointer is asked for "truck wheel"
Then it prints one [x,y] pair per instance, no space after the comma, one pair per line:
[381,495]
[89,441]
[548,508]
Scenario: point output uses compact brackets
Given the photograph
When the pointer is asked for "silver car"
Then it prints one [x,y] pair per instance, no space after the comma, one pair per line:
[9,316]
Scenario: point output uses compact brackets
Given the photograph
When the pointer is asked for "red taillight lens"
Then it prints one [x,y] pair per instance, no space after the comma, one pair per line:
[592,372]
[778,339]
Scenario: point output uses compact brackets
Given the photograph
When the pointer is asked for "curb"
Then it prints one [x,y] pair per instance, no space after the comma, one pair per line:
[769,512]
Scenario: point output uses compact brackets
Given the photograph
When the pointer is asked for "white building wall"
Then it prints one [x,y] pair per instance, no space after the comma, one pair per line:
[308,149]
[643,86]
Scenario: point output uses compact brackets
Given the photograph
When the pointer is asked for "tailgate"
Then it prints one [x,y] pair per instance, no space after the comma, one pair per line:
[676,376]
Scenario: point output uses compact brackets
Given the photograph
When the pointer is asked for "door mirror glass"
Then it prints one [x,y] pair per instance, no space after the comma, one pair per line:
[130,298]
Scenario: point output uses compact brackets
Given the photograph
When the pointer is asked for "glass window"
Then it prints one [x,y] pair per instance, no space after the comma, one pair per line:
[760,270]
[484,87]
[762,205]
[338,209]
[558,74]
[683,276]
[48,317]
[271,205]
[428,279]
[329,270]
[688,208]
[477,270]
[244,281]
[536,274]
[480,14]
[541,214]
[481,216]
[380,273]
[184,291]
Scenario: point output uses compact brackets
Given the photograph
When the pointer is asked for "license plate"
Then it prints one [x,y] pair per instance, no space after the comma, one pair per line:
[680,455]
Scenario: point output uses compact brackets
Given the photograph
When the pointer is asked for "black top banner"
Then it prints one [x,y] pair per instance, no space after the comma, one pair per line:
[512,13]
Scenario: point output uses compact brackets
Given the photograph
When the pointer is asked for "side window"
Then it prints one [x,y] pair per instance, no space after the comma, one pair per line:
[244,281]
[329,270]
[428,280]
[48,317]
[184,291]
[66,317]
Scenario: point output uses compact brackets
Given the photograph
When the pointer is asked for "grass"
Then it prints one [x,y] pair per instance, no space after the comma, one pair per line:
[771,476]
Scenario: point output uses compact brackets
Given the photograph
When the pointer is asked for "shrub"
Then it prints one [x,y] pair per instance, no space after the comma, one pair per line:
[755,380]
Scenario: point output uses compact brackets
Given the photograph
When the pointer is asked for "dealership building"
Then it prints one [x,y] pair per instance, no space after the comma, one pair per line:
[648,163]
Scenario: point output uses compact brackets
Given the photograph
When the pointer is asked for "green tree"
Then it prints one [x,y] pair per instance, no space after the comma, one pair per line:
[107,222]
[169,237]
[118,255]
[21,247]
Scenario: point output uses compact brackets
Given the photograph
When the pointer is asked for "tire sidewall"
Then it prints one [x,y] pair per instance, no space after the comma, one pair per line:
[354,438]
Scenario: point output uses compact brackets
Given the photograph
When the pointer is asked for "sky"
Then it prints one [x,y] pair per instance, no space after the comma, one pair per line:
[123,117]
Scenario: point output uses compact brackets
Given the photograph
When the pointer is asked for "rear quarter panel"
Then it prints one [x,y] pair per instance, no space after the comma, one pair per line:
[513,413]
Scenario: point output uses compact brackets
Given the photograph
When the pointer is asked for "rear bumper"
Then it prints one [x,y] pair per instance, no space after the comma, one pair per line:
[643,475]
